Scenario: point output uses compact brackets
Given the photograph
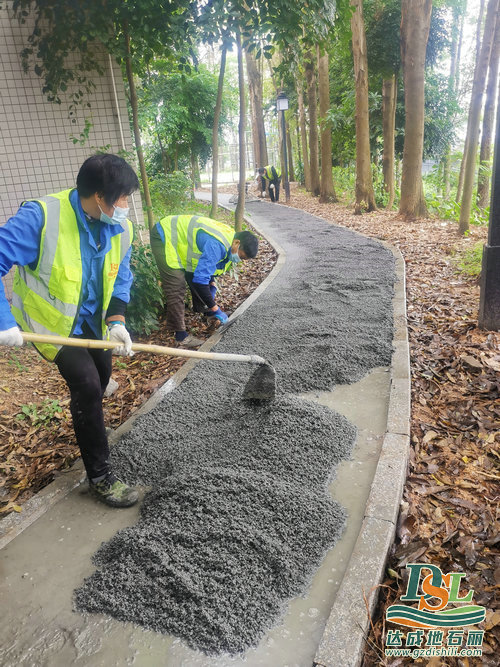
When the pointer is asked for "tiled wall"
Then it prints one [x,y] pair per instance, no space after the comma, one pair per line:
[37,156]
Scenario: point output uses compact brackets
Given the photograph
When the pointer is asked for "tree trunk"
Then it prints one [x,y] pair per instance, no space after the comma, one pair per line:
[415,25]
[313,124]
[240,206]
[483,181]
[478,85]
[455,48]
[137,132]
[365,196]
[195,171]
[291,171]
[389,99]
[215,135]
[466,143]
[303,137]
[255,95]
[327,191]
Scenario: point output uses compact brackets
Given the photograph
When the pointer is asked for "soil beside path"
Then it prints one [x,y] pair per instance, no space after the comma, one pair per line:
[449,514]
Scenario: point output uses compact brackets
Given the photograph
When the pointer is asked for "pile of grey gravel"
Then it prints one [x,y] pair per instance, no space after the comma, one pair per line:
[239,516]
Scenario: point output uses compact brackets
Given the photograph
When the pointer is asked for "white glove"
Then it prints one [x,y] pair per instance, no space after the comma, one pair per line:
[271,187]
[119,334]
[263,193]
[11,336]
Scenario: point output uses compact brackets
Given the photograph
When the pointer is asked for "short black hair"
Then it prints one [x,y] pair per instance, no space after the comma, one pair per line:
[261,170]
[249,243]
[108,175]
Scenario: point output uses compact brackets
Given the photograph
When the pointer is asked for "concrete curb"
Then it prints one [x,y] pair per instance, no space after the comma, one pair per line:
[347,627]
[35,507]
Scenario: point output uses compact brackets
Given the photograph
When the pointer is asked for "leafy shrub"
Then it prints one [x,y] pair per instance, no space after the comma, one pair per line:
[146,295]
[344,179]
[450,210]
[169,193]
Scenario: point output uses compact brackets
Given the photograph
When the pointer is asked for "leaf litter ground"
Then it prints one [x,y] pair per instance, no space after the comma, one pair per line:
[449,514]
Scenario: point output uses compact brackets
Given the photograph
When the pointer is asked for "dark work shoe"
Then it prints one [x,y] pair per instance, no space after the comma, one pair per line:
[189,342]
[112,491]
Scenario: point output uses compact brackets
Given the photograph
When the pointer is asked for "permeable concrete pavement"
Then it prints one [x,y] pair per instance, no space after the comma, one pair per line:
[47,629]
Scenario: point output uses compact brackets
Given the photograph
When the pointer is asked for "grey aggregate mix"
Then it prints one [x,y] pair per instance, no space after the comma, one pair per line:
[239,516]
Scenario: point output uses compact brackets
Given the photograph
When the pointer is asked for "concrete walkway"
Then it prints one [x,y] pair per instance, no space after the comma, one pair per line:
[44,564]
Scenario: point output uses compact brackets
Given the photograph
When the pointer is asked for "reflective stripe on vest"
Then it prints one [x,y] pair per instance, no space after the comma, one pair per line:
[46,299]
[269,173]
[181,249]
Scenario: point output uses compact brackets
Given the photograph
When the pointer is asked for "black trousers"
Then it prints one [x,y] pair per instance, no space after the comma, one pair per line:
[87,374]
[274,193]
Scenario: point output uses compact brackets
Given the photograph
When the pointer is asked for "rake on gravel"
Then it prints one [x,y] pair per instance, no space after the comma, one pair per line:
[261,385]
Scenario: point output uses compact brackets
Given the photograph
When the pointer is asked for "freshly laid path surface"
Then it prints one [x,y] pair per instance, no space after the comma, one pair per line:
[240,516]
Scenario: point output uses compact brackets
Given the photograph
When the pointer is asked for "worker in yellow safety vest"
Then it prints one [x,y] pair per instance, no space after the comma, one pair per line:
[270,176]
[72,251]
[195,249]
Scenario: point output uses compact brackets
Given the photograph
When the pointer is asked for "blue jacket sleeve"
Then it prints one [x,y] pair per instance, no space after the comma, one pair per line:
[19,244]
[124,279]
[213,251]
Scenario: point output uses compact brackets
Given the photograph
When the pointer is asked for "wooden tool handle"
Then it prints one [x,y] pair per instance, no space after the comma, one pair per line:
[140,347]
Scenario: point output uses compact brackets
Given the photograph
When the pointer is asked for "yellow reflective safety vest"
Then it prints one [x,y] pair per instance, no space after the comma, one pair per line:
[181,249]
[47,299]
[268,173]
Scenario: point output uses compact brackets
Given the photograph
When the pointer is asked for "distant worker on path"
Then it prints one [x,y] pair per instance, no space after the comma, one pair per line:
[271,175]
[72,251]
[194,249]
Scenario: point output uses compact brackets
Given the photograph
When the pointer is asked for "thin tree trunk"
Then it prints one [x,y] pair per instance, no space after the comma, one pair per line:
[137,132]
[255,95]
[240,206]
[365,195]
[303,136]
[456,37]
[313,124]
[291,171]
[479,26]
[483,181]
[327,192]
[389,98]
[215,135]
[415,25]
[478,85]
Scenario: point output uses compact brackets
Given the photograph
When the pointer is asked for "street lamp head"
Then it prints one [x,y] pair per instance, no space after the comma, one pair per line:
[282,101]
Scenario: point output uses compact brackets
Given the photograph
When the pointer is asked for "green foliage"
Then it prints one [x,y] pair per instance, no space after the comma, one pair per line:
[61,27]
[169,193]
[146,295]
[40,415]
[344,179]
[448,208]
[470,261]
[177,114]
[14,361]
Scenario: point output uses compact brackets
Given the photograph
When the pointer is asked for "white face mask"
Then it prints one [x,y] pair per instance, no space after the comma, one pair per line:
[235,258]
[119,215]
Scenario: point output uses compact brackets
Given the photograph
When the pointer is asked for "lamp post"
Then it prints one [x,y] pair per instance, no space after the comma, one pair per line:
[282,105]
[489,300]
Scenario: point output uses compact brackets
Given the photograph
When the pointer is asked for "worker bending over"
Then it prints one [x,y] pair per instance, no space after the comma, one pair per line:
[195,249]
[72,251]
[271,176]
